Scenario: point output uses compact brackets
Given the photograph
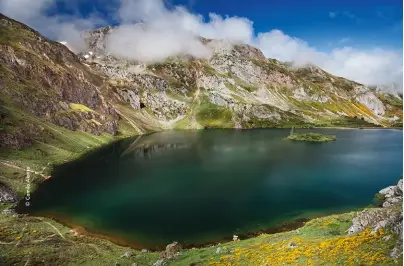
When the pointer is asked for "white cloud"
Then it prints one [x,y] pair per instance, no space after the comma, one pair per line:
[372,67]
[174,31]
[332,14]
[150,44]
[60,27]
[275,44]
[170,32]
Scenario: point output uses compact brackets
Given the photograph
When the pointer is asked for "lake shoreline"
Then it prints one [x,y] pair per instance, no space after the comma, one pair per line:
[116,240]
[79,230]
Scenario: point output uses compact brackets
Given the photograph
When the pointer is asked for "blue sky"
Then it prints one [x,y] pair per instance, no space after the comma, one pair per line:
[359,23]
[324,24]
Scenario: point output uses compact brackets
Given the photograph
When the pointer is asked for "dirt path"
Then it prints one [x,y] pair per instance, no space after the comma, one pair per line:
[57,230]
[11,165]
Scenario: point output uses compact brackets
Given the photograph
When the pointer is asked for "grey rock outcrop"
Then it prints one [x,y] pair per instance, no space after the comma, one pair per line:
[390,216]
[393,194]
[7,195]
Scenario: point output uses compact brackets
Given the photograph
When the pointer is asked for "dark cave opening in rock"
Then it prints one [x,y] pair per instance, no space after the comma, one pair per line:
[142,105]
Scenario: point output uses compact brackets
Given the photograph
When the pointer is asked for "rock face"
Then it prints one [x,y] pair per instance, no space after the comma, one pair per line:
[46,80]
[237,87]
[7,195]
[393,194]
[389,217]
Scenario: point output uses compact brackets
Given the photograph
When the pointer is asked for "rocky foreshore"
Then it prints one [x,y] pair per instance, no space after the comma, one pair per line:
[388,217]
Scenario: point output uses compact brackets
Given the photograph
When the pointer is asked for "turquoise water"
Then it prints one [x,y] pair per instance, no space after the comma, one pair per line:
[197,187]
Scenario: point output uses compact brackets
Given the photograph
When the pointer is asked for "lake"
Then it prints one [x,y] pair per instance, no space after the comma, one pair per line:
[198,187]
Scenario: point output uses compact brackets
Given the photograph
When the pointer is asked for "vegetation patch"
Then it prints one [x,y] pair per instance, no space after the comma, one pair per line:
[392,100]
[211,115]
[80,107]
[248,87]
[183,123]
[341,250]
[379,199]
[272,65]
[352,122]
[311,137]
[176,96]
[209,70]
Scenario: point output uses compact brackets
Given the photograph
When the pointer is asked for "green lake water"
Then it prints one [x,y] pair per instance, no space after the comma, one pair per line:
[197,187]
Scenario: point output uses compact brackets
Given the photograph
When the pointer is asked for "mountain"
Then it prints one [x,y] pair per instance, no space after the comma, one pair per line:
[98,93]
[238,87]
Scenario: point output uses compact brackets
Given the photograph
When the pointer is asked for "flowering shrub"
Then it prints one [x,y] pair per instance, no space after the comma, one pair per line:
[341,250]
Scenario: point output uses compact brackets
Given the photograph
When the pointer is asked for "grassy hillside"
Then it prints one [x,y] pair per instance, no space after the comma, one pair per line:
[322,241]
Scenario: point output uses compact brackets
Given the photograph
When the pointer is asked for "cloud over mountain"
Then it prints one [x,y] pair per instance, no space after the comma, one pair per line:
[174,31]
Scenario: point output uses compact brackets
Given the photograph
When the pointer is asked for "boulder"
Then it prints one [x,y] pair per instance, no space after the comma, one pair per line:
[391,201]
[128,254]
[159,263]
[218,250]
[172,251]
[388,191]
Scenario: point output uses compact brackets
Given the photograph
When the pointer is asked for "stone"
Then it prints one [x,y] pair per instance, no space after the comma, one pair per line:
[386,238]
[391,201]
[128,254]
[144,250]
[235,238]
[160,262]
[172,250]
[218,250]
[388,191]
